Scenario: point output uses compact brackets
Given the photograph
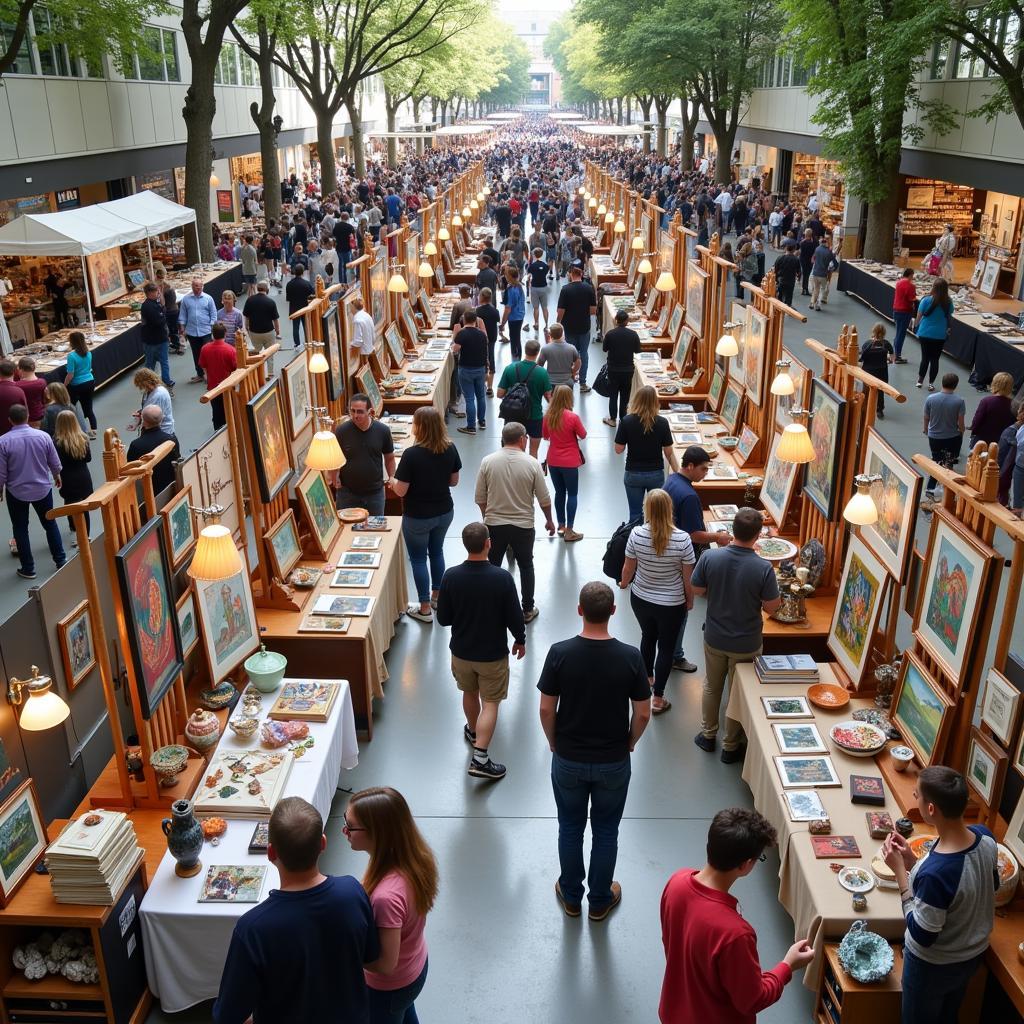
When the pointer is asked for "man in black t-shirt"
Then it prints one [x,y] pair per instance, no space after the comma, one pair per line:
[262,320]
[486,277]
[470,345]
[344,237]
[488,320]
[577,303]
[595,704]
[298,292]
[787,269]
[369,459]
[502,214]
[621,344]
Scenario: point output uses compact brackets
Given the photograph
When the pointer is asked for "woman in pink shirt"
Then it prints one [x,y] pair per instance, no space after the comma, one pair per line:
[563,430]
[401,881]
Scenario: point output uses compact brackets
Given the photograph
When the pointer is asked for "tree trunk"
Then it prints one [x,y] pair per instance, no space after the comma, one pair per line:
[200,106]
[645,109]
[391,110]
[724,139]
[355,116]
[689,131]
[325,150]
[881,226]
[661,106]
[444,112]
[416,100]
[618,110]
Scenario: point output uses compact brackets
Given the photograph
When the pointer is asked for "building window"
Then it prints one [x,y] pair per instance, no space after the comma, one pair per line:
[940,60]
[53,57]
[227,65]
[250,74]
[158,62]
[801,75]
[24,60]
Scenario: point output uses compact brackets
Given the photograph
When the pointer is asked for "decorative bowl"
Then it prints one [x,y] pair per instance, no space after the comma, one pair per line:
[884,875]
[901,757]
[856,879]
[245,726]
[859,739]
[353,515]
[865,956]
[217,697]
[266,669]
[304,577]
[1009,875]
[168,763]
[202,729]
[729,442]
[828,696]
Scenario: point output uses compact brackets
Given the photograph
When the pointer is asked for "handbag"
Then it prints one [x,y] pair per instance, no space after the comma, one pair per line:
[602,383]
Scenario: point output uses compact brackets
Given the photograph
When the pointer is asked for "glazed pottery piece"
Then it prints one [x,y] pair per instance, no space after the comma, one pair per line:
[266,669]
[905,827]
[184,838]
[901,757]
[202,729]
[217,697]
[245,726]
[168,763]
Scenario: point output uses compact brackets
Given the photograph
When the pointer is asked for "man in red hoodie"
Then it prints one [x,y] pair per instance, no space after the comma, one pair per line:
[712,972]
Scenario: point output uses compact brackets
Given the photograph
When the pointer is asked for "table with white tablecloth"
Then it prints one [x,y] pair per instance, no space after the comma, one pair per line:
[186,942]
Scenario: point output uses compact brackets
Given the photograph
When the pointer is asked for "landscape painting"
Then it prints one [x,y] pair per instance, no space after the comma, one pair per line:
[896,497]
[22,839]
[920,710]
[753,354]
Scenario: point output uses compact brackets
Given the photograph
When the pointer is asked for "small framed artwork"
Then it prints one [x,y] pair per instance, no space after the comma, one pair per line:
[753,354]
[1000,703]
[631,269]
[368,386]
[652,302]
[976,274]
[439,276]
[986,768]
[412,334]
[779,481]
[76,646]
[921,710]
[23,839]
[801,377]
[271,448]
[662,329]
[297,392]
[638,289]
[747,444]
[423,302]
[378,307]
[732,406]
[786,707]
[359,578]
[696,280]
[228,619]
[180,525]
[804,805]
[334,346]
[716,389]
[283,547]
[393,340]
[800,772]
[858,607]
[348,604]
[188,625]
[325,624]
[365,543]
[722,471]
[990,277]
[681,352]
[675,321]
[360,560]
[106,275]
[799,739]
[318,504]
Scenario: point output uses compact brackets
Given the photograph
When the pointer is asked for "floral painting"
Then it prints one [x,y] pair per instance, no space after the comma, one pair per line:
[271,440]
[753,354]
[896,496]
[778,482]
[828,416]
[229,621]
[857,609]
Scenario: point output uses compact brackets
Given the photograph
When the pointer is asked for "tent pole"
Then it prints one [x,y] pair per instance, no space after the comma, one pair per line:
[88,296]
[199,246]
[149,249]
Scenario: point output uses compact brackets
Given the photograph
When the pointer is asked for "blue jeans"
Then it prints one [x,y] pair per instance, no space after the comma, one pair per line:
[423,538]
[581,342]
[1018,487]
[372,502]
[474,387]
[677,654]
[902,321]
[600,789]
[344,255]
[397,1005]
[637,485]
[18,510]
[153,354]
[932,993]
[567,485]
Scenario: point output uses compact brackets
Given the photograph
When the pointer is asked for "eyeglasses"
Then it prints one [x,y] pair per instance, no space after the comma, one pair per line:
[763,857]
[349,829]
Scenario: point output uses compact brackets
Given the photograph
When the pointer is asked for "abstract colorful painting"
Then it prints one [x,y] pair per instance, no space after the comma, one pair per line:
[861,593]
[270,438]
[778,483]
[920,710]
[896,496]
[828,416]
[145,579]
[228,619]
[753,354]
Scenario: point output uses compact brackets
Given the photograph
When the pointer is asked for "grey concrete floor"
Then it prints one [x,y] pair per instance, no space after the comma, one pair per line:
[500,949]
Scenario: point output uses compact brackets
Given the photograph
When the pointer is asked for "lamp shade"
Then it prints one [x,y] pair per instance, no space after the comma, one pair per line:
[325,452]
[602,210]
[620,227]
[466,212]
[637,244]
[666,282]
[456,221]
[214,180]
[430,249]
[480,197]
[795,444]
[727,347]
[583,191]
[861,509]
[609,217]
[216,556]
[644,267]
[43,711]
[397,284]
[473,205]
[318,363]
[592,202]
[425,270]
[485,190]
[783,384]
[443,235]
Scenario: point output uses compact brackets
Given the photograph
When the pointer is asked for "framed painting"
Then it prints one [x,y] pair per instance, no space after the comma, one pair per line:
[681,352]
[921,710]
[76,646]
[368,386]
[732,404]
[379,292]
[667,252]
[423,302]
[23,839]
[412,261]
[144,575]
[210,473]
[896,497]
[334,344]
[858,606]
[799,739]
[188,624]
[393,340]
[675,322]
[954,583]
[106,275]
[738,319]
[779,481]
[986,768]
[439,277]
[696,280]
[747,444]
[298,394]
[990,277]
[753,354]
[652,301]
[716,389]
[271,449]
[828,416]
[976,274]
[801,771]
[180,524]
[228,621]
[1014,838]
[666,311]
[920,197]
[412,334]
[1000,704]
[801,389]
[283,547]
[10,773]
[634,262]
[318,504]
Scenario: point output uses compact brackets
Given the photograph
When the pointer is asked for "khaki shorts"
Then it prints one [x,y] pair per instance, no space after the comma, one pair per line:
[488,678]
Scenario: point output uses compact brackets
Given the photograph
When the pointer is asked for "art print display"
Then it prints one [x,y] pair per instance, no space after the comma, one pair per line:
[779,481]
[243,783]
[211,475]
[732,404]
[976,274]
[188,624]
[318,504]
[76,647]
[804,805]
[675,322]
[666,311]
[696,280]
[22,839]
[144,575]
[229,883]
[738,329]
[799,771]
[106,275]
[986,768]
[747,444]
[990,277]
[681,353]
[799,739]
[365,543]
[283,547]
[412,261]
[368,386]
[834,846]
[921,710]
[828,417]
[858,606]
[716,389]
[298,391]
[786,707]
[228,620]
[304,700]
[270,439]
[412,334]
[652,302]
[325,624]
[426,309]
[896,497]
[801,377]
[10,773]
[439,277]
[954,583]
[356,578]
[1000,702]
[346,605]
[753,354]
[334,344]
[393,340]
[180,524]
[722,471]
[379,292]
[360,560]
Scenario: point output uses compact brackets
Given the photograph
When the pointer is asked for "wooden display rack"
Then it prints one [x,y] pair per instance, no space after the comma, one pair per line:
[841,1000]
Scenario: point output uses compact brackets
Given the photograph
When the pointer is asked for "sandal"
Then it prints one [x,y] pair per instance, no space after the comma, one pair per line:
[660,709]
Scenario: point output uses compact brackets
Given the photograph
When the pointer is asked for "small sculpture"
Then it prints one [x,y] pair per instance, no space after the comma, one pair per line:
[820,827]
[794,598]
[905,827]
[886,676]
[860,902]
[812,558]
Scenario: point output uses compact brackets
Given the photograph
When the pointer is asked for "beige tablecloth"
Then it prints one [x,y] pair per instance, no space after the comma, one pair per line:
[821,908]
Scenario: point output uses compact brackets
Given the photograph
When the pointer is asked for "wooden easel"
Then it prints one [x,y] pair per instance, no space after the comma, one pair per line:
[715,292]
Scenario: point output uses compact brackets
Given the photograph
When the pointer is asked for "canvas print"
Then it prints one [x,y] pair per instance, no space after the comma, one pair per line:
[325,624]
[675,322]
[748,442]
[299,393]
[304,700]
[180,524]
[779,481]
[394,343]
[334,346]
[786,707]
[828,416]
[227,883]
[855,618]
[804,805]
[681,353]
[106,275]
[273,453]
[360,560]
[76,646]
[753,354]
[834,846]
[986,768]
[22,839]
[954,583]
[731,406]
[799,739]
[188,624]
[716,389]
[360,578]
[347,605]
[228,620]
[696,279]
[318,504]
[798,771]
[896,497]
[378,307]
[920,710]
[210,474]
[145,579]
[368,386]
[283,545]
[1000,702]
[801,377]
[365,543]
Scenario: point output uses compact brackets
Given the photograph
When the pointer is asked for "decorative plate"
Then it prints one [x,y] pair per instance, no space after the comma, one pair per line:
[422,366]
[353,515]
[860,739]
[828,696]
[856,879]
[418,389]
[775,549]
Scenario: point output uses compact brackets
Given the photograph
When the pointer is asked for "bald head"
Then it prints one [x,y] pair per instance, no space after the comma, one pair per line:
[152,416]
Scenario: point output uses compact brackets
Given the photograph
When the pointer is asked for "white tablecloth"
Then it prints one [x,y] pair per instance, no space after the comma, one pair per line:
[186,942]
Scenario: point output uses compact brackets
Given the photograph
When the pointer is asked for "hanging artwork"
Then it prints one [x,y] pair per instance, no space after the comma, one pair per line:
[22,839]
[990,277]
[145,581]
[76,646]
[801,377]
[271,448]
[1014,838]
[412,248]
[210,473]
[318,504]
[439,277]
[681,353]
[779,481]
[652,302]
[731,406]
[828,416]
[412,335]
[753,354]
[675,322]
[283,547]
[368,386]
[298,393]
[333,347]
[896,497]
[662,329]
[394,343]
[986,768]
[188,624]
[738,329]
[1000,702]
[716,389]
[858,606]
[180,524]
[426,309]
[954,584]
[228,621]
[106,275]
[696,281]
[379,293]
[921,710]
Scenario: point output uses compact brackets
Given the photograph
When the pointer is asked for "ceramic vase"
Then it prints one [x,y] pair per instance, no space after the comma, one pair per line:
[202,729]
[184,838]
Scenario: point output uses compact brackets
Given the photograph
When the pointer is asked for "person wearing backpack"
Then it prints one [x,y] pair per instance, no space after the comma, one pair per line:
[522,386]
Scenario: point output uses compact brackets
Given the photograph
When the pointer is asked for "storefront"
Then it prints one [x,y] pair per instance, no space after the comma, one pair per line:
[810,175]
[758,163]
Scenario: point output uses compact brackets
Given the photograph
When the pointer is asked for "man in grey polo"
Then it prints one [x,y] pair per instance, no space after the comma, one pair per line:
[561,359]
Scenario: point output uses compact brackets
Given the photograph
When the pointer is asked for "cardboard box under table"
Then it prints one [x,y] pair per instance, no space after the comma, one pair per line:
[186,942]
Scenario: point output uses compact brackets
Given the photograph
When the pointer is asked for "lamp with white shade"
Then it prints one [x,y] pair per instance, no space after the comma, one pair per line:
[666,282]
[783,384]
[795,443]
[324,452]
[318,361]
[41,707]
[216,557]
[861,509]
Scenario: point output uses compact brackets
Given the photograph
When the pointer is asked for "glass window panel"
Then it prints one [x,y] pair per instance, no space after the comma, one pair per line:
[171,55]
[151,64]
[940,58]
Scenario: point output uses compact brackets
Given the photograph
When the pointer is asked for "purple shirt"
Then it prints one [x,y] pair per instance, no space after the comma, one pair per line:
[29,463]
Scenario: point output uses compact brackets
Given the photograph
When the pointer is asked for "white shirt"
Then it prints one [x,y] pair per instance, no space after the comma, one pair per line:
[365,335]
[724,200]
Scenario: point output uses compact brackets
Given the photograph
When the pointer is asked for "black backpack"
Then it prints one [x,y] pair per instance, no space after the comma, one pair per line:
[615,549]
[515,406]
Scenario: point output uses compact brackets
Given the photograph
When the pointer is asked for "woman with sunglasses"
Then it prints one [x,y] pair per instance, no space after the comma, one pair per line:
[401,881]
